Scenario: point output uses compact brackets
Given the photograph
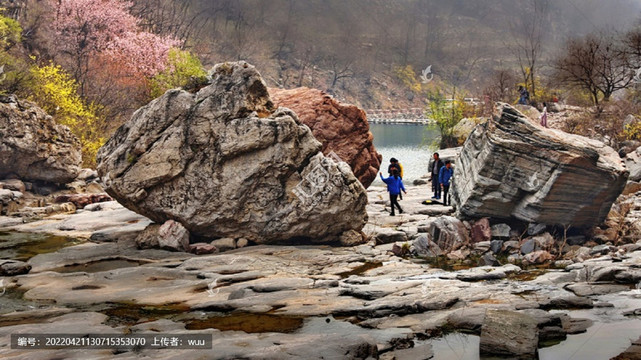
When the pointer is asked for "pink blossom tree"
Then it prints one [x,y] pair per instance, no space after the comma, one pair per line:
[85,29]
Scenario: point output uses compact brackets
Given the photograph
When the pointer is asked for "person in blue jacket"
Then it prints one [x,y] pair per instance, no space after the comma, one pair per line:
[444,177]
[394,187]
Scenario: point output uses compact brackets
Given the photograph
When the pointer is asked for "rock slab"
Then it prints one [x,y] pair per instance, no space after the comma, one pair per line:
[509,333]
[33,147]
[511,167]
[341,128]
[224,163]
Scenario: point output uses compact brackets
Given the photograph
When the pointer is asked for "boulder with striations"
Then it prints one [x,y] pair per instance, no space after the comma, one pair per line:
[512,168]
[224,162]
[341,128]
[33,147]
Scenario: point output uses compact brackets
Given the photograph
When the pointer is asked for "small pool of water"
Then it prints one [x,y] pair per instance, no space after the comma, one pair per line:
[98,266]
[23,246]
[609,336]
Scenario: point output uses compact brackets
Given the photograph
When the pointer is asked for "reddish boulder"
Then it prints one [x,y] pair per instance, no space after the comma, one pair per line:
[341,128]
[82,200]
[481,231]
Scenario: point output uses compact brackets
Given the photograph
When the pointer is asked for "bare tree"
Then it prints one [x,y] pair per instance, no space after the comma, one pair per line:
[340,68]
[527,37]
[597,63]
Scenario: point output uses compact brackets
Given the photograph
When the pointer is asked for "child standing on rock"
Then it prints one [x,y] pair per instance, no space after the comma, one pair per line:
[394,187]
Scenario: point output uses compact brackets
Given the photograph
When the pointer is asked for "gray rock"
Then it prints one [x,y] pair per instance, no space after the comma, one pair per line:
[600,250]
[449,233]
[169,236]
[482,246]
[224,244]
[423,246]
[512,167]
[419,182]
[13,267]
[488,260]
[511,246]
[470,319]
[633,162]
[567,302]
[509,333]
[349,238]
[576,240]
[34,147]
[388,236]
[528,246]
[587,289]
[183,153]
[87,174]
[501,231]
[535,229]
[13,184]
[496,246]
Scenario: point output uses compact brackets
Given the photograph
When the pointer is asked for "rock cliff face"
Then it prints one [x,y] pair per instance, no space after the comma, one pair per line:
[511,167]
[224,163]
[33,147]
[341,128]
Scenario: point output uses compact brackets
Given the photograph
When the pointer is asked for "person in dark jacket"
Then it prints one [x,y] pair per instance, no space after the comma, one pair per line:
[394,187]
[394,164]
[444,177]
[434,169]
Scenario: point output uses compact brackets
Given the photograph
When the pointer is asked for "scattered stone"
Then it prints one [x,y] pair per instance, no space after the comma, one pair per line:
[82,200]
[496,246]
[87,174]
[419,182]
[576,240]
[242,242]
[423,246]
[501,231]
[633,162]
[350,238]
[511,167]
[169,236]
[202,248]
[34,147]
[535,229]
[482,247]
[509,333]
[224,244]
[538,257]
[388,236]
[528,246]
[449,233]
[481,230]
[13,267]
[180,154]
[488,260]
[13,184]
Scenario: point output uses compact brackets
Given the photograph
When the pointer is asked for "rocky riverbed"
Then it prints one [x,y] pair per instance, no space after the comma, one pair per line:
[82,272]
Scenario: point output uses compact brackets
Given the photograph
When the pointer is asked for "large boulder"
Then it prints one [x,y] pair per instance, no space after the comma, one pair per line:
[341,128]
[33,147]
[224,163]
[633,162]
[512,167]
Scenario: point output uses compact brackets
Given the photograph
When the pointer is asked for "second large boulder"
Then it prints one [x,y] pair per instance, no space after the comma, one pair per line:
[341,128]
[512,167]
[225,163]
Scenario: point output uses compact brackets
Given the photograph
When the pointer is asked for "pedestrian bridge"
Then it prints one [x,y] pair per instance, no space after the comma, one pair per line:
[398,116]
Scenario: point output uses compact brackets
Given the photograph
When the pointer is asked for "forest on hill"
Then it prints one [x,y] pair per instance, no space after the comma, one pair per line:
[91,64]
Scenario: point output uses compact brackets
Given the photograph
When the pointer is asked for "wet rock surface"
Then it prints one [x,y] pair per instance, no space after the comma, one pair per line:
[225,163]
[307,301]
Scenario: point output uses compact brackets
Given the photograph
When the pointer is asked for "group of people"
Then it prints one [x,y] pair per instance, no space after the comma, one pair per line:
[440,175]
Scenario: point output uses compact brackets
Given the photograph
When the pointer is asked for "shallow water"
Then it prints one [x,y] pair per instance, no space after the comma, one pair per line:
[609,336]
[412,145]
[23,246]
